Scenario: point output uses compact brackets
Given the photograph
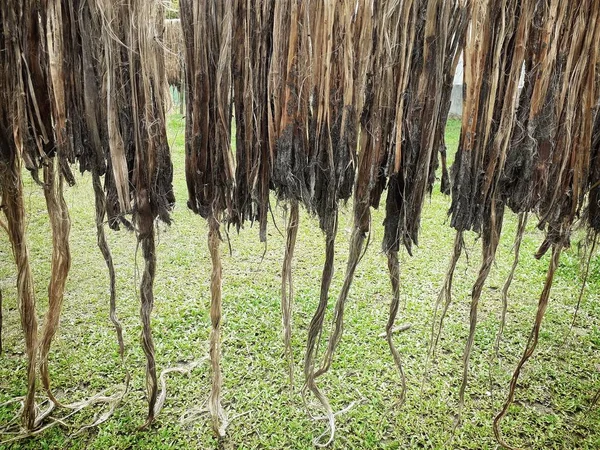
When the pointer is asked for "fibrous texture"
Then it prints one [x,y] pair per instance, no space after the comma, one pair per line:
[332,74]
[14,209]
[152,171]
[593,212]
[209,163]
[61,263]
[405,110]
[89,91]
[492,166]
[34,130]
[513,144]
[330,100]
[173,42]
[251,52]
[308,78]
[517,251]
[560,135]
[287,286]
[287,105]
[494,57]
[83,86]
[413,156]
[119,86]
[12,112]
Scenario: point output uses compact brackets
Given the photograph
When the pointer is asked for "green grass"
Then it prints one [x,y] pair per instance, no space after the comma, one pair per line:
[552,408]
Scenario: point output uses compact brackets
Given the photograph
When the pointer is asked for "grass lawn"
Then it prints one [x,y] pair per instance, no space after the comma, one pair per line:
[552,408]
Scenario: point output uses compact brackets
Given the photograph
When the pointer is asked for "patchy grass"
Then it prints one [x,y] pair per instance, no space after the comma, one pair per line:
[552,408]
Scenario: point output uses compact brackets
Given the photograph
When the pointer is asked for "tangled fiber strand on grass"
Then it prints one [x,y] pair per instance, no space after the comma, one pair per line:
[444,296]
[316,326]
[146,240]
[491,237]
[531,343]
[207,31]
[588,253]
[219,417]
[394,271]
[112,401]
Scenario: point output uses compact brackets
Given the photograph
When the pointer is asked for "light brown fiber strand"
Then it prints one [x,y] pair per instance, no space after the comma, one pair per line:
[14,209]
[394,270]
[585,279]
[445,295]
[531,344]
[61,262]
[491,238]
[218,414]
[522,225]
[287,288]
[315,330]
[148,245]
[100,205]
[356,245]
[13,122]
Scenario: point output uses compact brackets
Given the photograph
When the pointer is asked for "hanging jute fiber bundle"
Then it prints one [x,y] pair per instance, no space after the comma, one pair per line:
[298,104]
